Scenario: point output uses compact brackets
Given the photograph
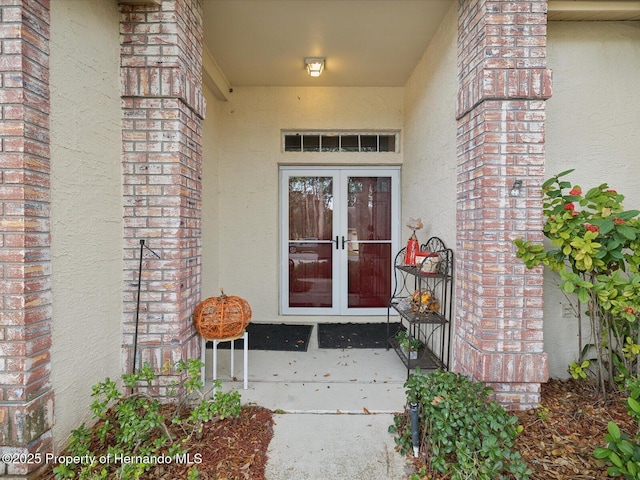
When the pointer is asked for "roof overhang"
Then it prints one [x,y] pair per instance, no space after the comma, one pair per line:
[593,10]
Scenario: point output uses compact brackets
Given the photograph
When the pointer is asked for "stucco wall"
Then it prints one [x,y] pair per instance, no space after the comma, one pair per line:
[210,197]
[86,197]
[593,120]
[429,171]
[249,149]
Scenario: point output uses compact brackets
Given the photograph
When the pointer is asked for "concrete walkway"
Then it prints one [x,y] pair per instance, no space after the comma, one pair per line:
[333,410]
[332,446]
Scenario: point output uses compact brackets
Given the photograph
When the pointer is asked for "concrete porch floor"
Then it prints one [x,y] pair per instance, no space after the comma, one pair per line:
[333,409]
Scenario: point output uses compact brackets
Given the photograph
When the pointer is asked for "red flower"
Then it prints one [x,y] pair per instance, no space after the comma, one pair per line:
[611,191]
[569,206]
[591,228]
[575,191]
[574,214]
[618,221]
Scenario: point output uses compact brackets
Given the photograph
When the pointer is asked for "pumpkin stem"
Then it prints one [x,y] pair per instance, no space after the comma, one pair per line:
[222,295]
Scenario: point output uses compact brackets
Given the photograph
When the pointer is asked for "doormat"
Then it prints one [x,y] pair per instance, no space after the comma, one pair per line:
[273,336]
[355,335]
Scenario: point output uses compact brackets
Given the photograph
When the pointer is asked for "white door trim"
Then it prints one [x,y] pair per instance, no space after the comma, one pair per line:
[340,175]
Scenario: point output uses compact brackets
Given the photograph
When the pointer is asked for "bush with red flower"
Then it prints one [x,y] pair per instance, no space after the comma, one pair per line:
[595,248]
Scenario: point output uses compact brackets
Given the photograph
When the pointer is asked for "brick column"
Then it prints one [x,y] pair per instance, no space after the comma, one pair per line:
[503,82]
[26,397]
[163,107]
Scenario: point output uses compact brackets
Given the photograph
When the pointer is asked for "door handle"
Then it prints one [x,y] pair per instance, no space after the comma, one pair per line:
[344,240]
[337,243]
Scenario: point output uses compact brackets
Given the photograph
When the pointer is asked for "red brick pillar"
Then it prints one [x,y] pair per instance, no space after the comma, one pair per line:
[163,107]
[26,396]
[503,83]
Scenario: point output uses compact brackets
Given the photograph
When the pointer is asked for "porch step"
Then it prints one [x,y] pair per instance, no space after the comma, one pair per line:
[323,397]
[318,381]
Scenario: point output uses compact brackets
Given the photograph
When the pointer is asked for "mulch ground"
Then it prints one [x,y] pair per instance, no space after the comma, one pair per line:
[230,449]
[557,441]
[559,438]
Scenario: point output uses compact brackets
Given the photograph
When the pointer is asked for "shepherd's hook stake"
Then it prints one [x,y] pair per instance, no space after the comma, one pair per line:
[135,336]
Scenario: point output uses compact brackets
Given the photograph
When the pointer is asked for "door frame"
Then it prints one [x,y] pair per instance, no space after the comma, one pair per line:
[339,265]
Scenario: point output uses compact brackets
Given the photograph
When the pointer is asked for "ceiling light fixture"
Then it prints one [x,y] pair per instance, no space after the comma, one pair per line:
[314,66]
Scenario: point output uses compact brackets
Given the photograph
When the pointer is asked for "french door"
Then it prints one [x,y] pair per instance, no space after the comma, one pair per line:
[339,230]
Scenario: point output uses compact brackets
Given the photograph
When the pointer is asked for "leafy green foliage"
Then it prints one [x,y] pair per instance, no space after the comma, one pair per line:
[220,406]
[622,451]
[131,425]
[579,370]
[406,341]
[595,248]
[463,433]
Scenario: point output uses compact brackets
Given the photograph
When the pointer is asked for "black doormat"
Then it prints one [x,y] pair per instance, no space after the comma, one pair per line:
[355,335]
[272,336]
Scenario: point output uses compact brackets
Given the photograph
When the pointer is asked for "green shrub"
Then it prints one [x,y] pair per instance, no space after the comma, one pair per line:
[462,433]
[594,245]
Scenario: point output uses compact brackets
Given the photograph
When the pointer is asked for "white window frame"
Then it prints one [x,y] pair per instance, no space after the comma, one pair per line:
[340,134]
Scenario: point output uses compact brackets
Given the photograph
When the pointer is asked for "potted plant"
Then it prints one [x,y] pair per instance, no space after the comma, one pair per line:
[408,344]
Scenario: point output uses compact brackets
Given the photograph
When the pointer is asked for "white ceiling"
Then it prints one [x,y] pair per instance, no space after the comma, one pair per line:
[365,42]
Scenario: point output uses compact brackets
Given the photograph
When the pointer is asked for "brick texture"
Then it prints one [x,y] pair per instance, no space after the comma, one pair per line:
[163,107]
[26,397]
[503,83]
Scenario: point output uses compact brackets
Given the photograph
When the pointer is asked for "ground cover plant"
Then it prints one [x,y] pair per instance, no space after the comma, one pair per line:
[557,440]
[622,451]
[136,436]
[461,432]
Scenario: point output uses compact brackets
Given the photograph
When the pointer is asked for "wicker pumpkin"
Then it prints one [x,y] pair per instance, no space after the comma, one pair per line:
[222,317]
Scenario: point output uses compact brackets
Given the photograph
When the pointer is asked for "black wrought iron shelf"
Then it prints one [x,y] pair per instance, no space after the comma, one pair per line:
[414,270]
[425,360]
[405,310]
[429,323]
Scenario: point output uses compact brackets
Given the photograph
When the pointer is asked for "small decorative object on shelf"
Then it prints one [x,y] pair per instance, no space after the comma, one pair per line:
[222,317]
[412,245]
[423,301]
[428,262]
[408,344]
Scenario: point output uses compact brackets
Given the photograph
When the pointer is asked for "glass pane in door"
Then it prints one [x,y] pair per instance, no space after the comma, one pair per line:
[369,237]
[310,246]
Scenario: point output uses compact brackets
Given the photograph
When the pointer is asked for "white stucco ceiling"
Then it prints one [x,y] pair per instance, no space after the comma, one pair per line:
[366,43]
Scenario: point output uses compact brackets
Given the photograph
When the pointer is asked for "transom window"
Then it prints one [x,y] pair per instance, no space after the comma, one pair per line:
[340,142]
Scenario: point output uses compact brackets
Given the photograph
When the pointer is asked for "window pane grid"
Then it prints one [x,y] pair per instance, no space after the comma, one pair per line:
[336,142]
